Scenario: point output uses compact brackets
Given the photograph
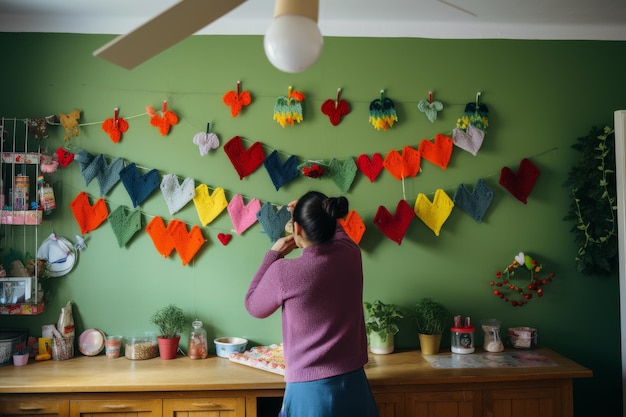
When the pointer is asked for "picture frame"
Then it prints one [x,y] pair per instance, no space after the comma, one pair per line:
[15,290]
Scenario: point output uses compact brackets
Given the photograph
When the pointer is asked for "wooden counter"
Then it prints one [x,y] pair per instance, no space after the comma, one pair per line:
[404,383]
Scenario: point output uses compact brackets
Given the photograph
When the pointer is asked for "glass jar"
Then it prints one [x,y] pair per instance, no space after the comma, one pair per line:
[491,331]
[197,341]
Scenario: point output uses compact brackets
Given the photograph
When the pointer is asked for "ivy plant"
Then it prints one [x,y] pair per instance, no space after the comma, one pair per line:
[593,207]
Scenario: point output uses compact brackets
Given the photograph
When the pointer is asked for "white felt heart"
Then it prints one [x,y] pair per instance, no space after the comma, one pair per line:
[177,195]
[520,258]
[471,141]
[430,108]
[206,142]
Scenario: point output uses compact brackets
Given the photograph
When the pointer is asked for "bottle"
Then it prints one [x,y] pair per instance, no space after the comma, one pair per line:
[197,341]
[491,331]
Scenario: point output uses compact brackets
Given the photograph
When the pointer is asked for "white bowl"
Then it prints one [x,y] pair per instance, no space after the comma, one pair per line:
[224,346]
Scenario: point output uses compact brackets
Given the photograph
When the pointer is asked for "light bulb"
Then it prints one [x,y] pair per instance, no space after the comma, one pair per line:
[293,43]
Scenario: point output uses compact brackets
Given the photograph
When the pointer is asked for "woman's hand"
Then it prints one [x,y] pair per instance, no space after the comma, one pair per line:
[284,245]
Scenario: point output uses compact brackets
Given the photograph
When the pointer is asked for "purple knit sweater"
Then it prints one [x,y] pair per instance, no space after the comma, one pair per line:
[321,295]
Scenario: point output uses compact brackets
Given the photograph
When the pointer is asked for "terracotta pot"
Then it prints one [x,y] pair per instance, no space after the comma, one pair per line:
[168,346]
[380,347]
[20,360]
[429,344]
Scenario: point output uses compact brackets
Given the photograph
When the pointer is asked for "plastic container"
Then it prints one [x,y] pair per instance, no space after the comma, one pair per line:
[462,339]
[198,348]
[62,348]
[139,348]
[523,337]
[224,346]
[491,333]
[113,346]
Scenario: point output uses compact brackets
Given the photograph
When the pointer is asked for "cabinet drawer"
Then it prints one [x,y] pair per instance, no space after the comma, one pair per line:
[113,407]
[30,406]
[222,407]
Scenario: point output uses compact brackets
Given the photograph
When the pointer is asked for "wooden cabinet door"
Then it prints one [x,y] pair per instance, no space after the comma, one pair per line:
[205,407]
[116,408]
[32,406]
[523,402]
[444,404]
[390,405]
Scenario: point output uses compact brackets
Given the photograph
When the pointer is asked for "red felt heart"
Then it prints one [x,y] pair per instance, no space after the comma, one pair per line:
[521,184]
[394,226]
[335,110]
[370,167]
[405,165]
[438,152]
[244,161]
[224,238]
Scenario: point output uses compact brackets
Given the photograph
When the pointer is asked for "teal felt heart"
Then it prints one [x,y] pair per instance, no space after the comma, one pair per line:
[430,108]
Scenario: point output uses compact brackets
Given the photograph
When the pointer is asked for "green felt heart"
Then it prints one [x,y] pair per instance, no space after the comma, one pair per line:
[343,173]
[430,108]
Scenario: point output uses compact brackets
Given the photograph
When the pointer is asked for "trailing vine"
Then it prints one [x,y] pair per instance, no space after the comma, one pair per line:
[593,207]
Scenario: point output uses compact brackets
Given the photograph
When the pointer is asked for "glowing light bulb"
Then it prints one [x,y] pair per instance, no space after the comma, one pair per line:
[293,43]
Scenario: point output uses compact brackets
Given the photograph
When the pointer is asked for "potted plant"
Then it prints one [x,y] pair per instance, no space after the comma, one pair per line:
[20,354]
[171,321]
[381,325]
[431,318]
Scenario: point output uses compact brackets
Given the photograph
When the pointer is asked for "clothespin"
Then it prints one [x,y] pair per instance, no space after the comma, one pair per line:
[430,97]
[115,115]
[164,108]
[382,96]
[338,96]
[208,127]
[238,88]
[289,92]
[477,99]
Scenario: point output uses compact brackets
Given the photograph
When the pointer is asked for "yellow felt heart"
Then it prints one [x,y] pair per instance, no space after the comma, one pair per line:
[209,206]
[353,226]
[434,214]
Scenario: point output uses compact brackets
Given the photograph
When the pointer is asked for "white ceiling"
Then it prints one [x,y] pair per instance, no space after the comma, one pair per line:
[502,19]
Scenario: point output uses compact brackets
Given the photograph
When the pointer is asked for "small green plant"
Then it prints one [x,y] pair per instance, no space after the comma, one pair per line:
[382,318]
[170,320]
[430,316]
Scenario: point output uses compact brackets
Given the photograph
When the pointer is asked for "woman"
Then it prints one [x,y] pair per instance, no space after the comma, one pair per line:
[321,295]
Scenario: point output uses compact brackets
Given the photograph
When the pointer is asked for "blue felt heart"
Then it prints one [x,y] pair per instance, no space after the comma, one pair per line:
[139,187]
[281,173]
[273,221]
[474,203]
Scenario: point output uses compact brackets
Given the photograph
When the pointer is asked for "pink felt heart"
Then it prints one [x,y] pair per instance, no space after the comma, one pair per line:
[520,184]
[437,152]
[243,216]
[370,167]
[245,161]
[206,142]
[405,165]
[470,140]
[224,238]
[394,226]
[335,110]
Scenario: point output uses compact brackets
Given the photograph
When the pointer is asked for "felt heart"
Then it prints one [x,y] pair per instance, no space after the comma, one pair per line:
[206,142]
[474,203]
[64,157]
[437,152]
[288,110]
[335,110]
[370,167]
[209,206]
[434,214]
[187,244]
[273,221]
[244,161]
[236,102]
[160,236]
[139,187]
[109,175]
[224,238]
[114,127]
[243,216]
[281,173]
[470,140]
[382,113]
[430,108]
[520,258]
[87,216]
[89,164]
[353,226]
[125,223]
[177,195]
[342,173]
[520,184]
[403,165]
[163,122]
[394,226]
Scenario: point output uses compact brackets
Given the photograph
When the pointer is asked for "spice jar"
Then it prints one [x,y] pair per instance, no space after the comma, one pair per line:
[197,341]
[491,331]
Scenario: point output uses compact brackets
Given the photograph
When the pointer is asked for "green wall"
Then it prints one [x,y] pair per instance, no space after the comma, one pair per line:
[542,95]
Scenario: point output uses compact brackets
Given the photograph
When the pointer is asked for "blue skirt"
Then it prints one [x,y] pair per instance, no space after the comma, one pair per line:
[338,396]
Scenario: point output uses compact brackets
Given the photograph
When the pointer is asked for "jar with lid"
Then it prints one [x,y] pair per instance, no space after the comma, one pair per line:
[198,348]
[492,339]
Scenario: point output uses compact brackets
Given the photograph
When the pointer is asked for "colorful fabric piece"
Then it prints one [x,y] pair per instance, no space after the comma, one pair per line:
[353,226]
[139,187]
[382,113]
[469,140]
[279,172]
[245,161]
[476,202]
[89,164]
[64,157]
[342,173]
[209,206]
[114,127]
[162,121]
[370,167]
[394,226]
[430,109]
[437,152]
[177,195]
[273,221]
[335,110]
[434,214]
[87,216]
[288,110]
[70,123]
[38,126]
[243,215]
[206,141]
[237,100]
[224,238]
[186,243]
[109,175]
[160,236]
[124,223]
[403,165]
[520,184]
[476,114]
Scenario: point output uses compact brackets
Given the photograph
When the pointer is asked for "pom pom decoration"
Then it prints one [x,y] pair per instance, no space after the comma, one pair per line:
[382,112]
[520,184]
[429,107]
[476,114]
[312,170]
[162,121]
[335,109]
[70,123]
[115,126]
[49,164]
[288,110]
[237,100]
[519,292]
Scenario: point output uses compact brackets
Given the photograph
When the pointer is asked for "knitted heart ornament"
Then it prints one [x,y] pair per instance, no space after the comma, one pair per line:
[470,140]
[476,114]
[430,108]
[370,167]
[288,110]
[520,184]
[237,100]
[244,161]
[243,215]
[342,173]
[177,195]
[139,187]
[434,214]
[272,220]
[124,223]
[403,165]
[382,113]
[281,173]
[335,110]
[353,226]
[394,226]
[160,236]
[209,206]
[224,238]
[187,244]
[114,127]
[476,202]
[437,152]
[89,164]
[162,121]
[206,141]
[87,216]
[64,157]
[109,175]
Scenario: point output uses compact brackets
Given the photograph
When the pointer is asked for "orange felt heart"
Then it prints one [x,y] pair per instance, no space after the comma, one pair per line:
[236,101]
[335,110]
[114,129]
[438,152]
[370,167]
[187,244]
[353,226]
[160,236]
[164,122]
[403,165]
[87,216]
[224,238]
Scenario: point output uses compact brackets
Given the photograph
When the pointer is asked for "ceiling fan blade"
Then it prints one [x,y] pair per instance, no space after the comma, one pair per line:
[165,30]
[447,3]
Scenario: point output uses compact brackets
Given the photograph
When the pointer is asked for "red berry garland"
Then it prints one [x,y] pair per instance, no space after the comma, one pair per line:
[520,293]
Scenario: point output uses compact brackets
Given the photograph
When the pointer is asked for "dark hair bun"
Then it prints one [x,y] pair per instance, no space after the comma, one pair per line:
[335,207]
